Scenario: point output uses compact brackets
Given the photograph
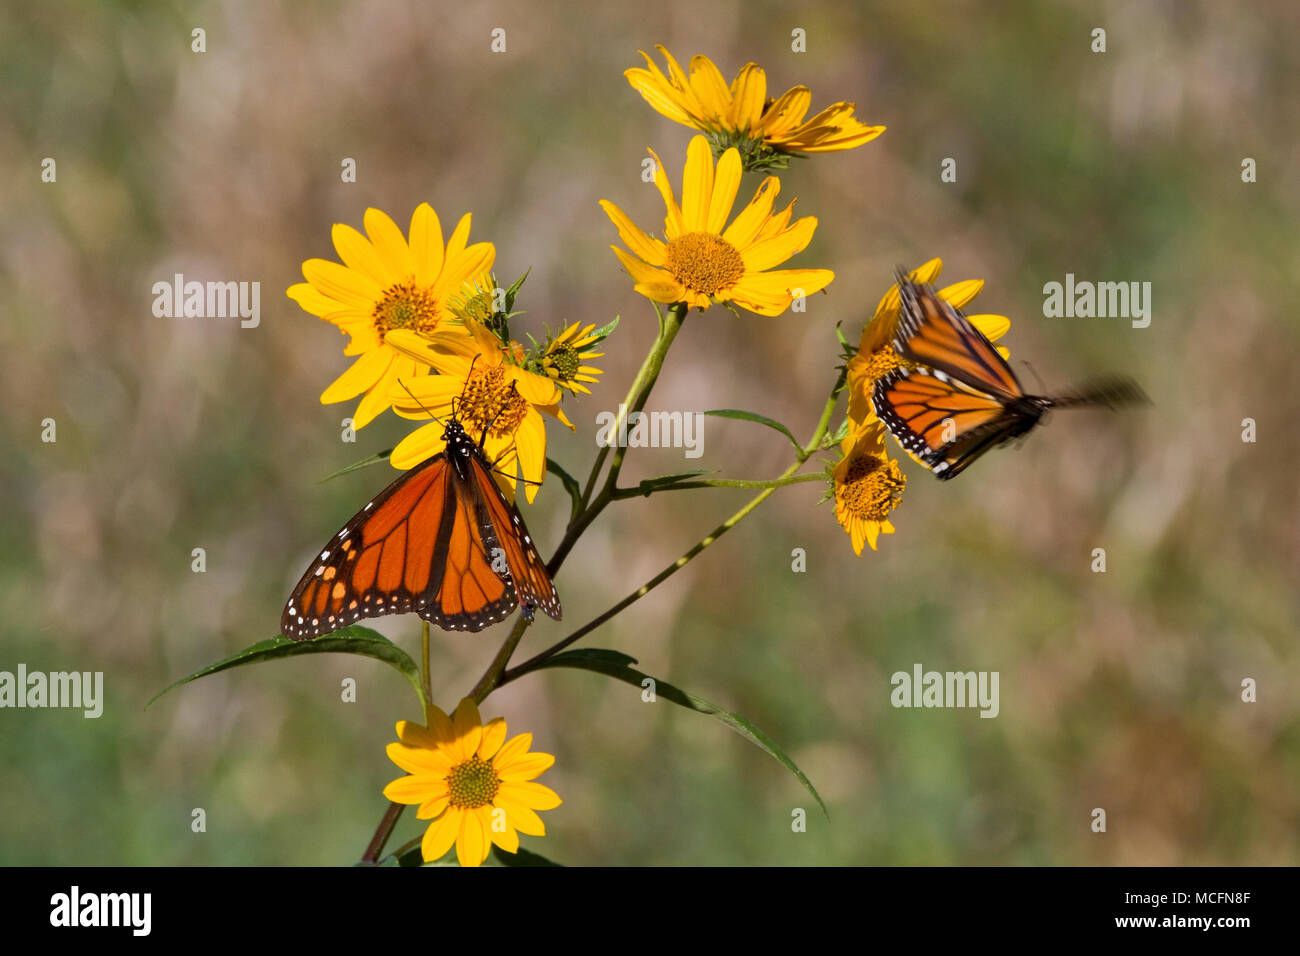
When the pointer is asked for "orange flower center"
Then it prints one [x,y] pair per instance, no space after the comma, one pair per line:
[872,488]
[704,263]
[472,784]
[491,402]
[406,306]
[881,362]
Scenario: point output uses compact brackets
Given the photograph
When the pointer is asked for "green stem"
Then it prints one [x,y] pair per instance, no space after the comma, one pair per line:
[801,457]
[425,677]
[669,325]
[621,493]
[492,676]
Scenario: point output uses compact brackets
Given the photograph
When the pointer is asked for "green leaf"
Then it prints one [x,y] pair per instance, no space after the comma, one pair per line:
[514,289]
[570,485]
[839,334]
[647,486]
[603,332]
[755,417]
[619,666]
[348,640]
[522,858]
[358,465]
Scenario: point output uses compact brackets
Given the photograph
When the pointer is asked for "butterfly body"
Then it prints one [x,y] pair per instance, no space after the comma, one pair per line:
[441,541]
[958,398]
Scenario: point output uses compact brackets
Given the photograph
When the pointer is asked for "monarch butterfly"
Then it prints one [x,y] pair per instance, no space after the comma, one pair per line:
[960,398]
[441,540]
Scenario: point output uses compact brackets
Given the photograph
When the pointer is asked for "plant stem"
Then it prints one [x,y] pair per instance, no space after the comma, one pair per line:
[382,833]
[492,676]
[634,492]
[801,457]
[669,325]
[425,677]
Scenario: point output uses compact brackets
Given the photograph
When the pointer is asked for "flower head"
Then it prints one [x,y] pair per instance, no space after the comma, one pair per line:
[876,356]
[386,284]
[562,357]
[868,485]
[481,386]
[474,785]
[765,131]
[698,261]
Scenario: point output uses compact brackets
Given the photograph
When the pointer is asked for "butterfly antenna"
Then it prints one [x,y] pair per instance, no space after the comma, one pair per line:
[1041,389]
[425,408]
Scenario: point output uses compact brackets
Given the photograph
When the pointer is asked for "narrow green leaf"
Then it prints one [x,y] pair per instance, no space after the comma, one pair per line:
[755,417]
[648,486]
[570,485]
[619,666]
[603,332]
[513,291]
[349,640]
[522,858]
[358,465]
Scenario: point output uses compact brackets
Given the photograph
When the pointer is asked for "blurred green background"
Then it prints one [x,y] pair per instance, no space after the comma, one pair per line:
[1118,690]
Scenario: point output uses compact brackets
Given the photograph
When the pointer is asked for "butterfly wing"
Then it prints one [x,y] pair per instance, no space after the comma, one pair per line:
[943,425]
[931,332]
[384,559]
[471,593]
[531,579]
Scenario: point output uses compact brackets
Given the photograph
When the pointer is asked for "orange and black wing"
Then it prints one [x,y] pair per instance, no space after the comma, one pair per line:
[931,332]
[510,535]
[944,425]
[393,557]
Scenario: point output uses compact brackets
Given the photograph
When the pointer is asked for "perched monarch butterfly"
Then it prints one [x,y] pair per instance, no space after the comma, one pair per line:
[441,540]
[960,398]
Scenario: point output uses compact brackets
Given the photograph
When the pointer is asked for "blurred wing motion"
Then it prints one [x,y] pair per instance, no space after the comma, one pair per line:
[441,541]
[960,397]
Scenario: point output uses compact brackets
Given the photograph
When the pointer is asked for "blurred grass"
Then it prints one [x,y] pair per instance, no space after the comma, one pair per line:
[1118,690]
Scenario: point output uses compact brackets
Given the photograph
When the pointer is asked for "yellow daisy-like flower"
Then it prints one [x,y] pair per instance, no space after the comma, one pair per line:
[876,356]
[562,358]
[387,283]
[487,392]
[474,785]
[766,131]
[868,485]
[701,262]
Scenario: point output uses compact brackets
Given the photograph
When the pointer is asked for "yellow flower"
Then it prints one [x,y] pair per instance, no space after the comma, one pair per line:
[766,131]
[868,485]
[700,262]
[386,283]
[876,356]
[474,785]
[494,399]
[563,355]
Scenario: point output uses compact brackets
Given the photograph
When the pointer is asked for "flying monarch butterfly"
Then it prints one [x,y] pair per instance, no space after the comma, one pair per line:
[441,540]
[960,398]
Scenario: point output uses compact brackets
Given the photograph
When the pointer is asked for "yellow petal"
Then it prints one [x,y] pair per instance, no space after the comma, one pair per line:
[389,243]
[507,839]
[426,244]
[993,327]
[416,735]
[416,447]
[376,401]
[672,214]
[525,768]
[494,735]
[434,805]
[441,835]
[342,284]
[365,373]
[469,729]
[459,238]
[472,842]
[413,789]
[535,796]
[767,253]
[697,185]
[530,443]
[959,293]
[649,249]
[710,89]
[745,228]
[658,94]
[515,747]
[521,817]
[359,255]
[787,111]
[748,94]
[311,299]
[641,271]
[726,184]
